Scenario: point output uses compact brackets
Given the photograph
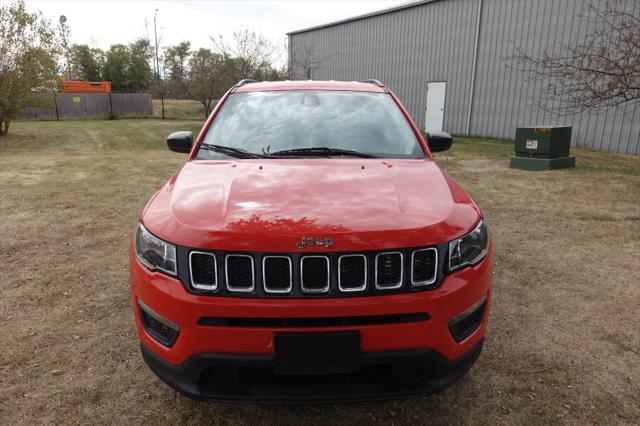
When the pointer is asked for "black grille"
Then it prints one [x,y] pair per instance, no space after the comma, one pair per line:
[389,270]
[277,274]
[315,273]
[311,274]
[423,270]
[239,273]
[353,272]
[203,270]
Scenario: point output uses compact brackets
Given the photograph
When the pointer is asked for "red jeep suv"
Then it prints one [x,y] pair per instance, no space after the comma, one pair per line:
[310,249]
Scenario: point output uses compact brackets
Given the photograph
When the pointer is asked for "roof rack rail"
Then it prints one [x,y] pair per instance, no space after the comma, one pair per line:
[245,81]
[372,81]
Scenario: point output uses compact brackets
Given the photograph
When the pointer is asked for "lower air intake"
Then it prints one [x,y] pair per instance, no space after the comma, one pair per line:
[464,324]
[158,327]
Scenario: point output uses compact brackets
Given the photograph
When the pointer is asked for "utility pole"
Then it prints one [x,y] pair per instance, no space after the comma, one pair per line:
[155,34]
[64,31]
[158,83]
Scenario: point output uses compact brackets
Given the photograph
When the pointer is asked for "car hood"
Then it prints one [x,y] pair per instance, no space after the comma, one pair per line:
[269,205]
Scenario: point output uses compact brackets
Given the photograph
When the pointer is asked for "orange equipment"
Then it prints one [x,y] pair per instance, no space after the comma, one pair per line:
[86,86]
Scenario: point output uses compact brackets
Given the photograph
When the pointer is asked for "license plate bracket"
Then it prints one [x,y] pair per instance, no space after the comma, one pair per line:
[317,353]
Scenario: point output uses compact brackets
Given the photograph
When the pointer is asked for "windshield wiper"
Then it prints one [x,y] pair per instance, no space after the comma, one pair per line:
[232,152]
[323,151]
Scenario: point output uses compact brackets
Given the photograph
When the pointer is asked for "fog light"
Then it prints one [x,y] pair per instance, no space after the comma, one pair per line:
[158,327]
[464,324]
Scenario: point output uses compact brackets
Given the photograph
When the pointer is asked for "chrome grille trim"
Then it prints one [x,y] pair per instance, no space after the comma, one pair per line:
[226,274]
[314,290]
[435,268]
[201,286]
[399,283]
[264,275]
[345,274]
[352,289]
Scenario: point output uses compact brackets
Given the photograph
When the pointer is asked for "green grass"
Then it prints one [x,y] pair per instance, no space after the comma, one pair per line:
[562,344]
[86,136]
[465,146]
[589,160]
[182,109]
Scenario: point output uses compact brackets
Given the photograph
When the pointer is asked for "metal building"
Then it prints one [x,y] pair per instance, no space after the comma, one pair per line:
[447,61]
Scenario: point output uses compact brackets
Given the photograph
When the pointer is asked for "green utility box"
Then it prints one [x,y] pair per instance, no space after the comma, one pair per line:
[542,148]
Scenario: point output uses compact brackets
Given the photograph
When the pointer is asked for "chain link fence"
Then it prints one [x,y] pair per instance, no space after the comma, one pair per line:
[177,109]
[63,106]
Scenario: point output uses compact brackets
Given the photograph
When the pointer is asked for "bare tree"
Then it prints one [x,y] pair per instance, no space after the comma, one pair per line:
[306,60]
[598,73]
[251,51]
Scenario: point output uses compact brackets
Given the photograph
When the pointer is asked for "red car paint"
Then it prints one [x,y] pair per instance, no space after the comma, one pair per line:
[267,205]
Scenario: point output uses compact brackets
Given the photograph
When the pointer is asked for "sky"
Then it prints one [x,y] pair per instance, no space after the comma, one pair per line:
[100,23]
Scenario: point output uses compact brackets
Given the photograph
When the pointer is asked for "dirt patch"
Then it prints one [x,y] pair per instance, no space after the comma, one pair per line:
[562,346]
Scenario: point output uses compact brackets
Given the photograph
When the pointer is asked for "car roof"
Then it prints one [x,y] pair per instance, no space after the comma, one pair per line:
[268,86]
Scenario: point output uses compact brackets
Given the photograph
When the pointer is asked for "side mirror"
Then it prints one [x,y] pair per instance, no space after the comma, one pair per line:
[180,141]
[439,141]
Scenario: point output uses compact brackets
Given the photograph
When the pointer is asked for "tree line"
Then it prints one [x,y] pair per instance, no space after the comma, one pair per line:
[34,56]
[125,66]
[202,74]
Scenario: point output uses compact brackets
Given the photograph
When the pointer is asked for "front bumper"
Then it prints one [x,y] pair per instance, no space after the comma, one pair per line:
[224,362]
[242,377]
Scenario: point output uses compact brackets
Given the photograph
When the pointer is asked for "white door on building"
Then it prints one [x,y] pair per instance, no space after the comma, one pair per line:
[434,118]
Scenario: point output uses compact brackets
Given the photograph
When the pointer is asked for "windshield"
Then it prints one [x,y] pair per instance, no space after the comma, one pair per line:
[341,123]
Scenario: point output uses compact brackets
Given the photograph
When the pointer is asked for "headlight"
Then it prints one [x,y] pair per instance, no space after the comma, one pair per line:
[154,253]
[470,249]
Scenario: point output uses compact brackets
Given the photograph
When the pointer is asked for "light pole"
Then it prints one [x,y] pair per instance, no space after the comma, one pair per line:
[64,32]
[155,35]
[158,83]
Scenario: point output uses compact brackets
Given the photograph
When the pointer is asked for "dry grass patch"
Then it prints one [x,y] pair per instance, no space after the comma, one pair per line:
[563,343]
[185,109]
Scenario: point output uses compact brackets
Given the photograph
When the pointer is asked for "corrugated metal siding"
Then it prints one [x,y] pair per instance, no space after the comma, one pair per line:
[434,42]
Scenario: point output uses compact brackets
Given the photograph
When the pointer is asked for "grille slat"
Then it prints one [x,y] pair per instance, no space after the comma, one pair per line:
[424,266]
[277,274]
[239,273]
[314,271]
[352,272]
[203,270]
[389,270]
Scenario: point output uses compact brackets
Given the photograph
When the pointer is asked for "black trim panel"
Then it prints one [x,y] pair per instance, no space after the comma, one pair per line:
[313,322]
[243,377]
